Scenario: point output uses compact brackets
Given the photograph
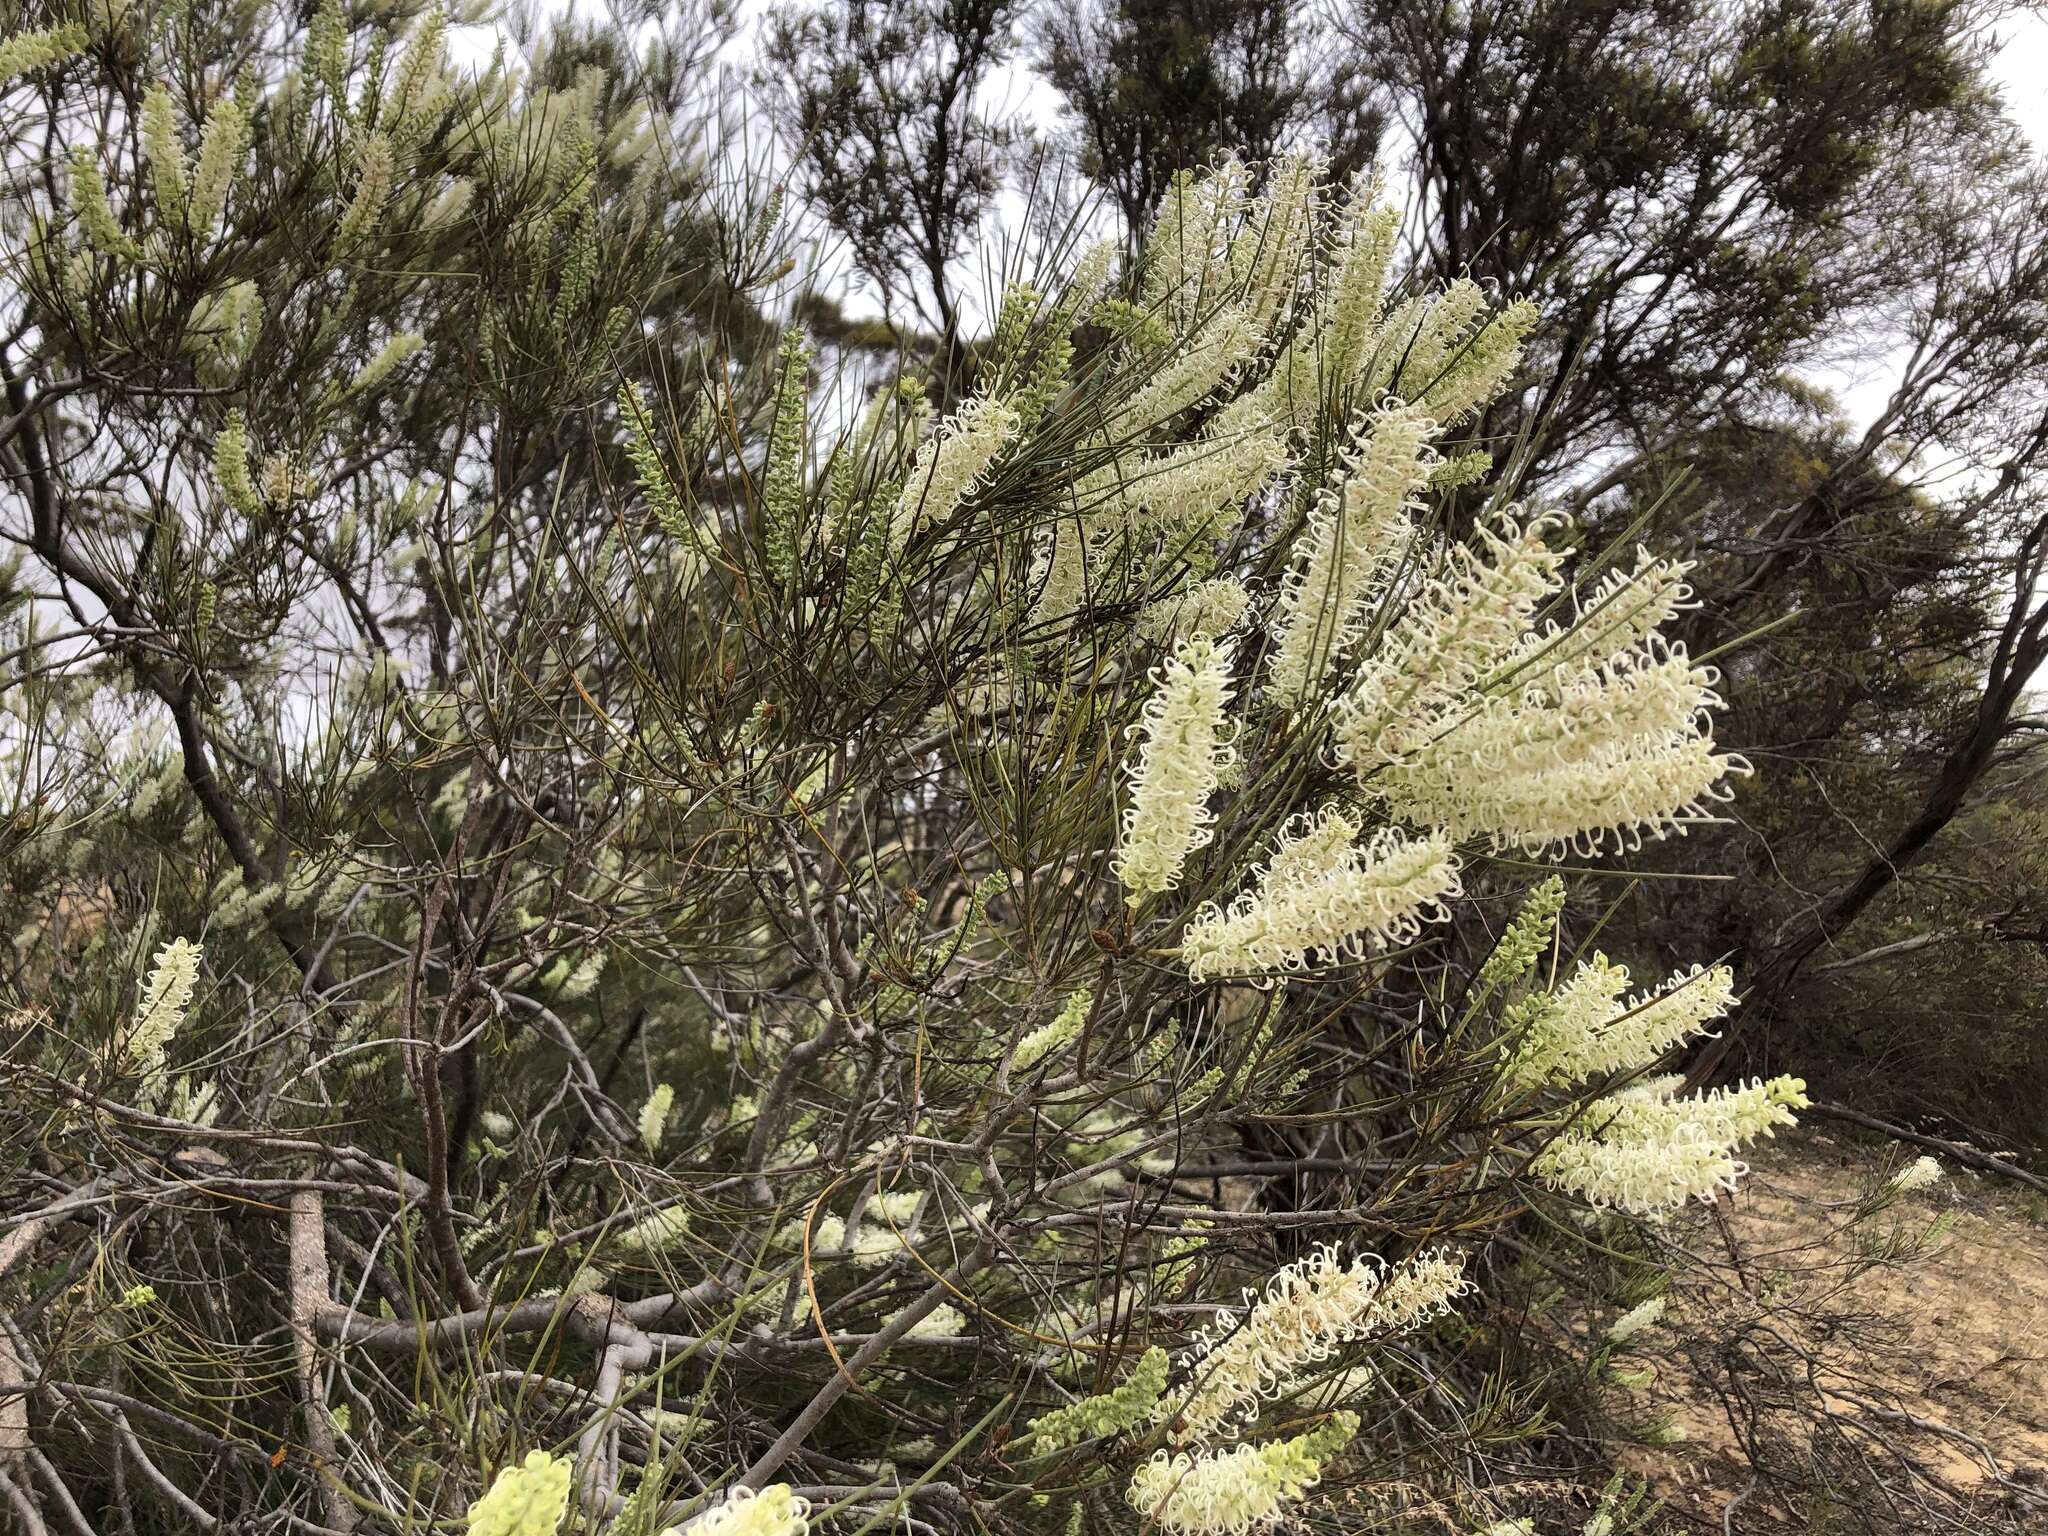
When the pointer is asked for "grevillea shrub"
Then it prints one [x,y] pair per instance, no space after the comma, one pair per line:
[616,930]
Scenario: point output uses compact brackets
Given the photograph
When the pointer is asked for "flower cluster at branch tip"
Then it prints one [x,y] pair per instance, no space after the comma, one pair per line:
[1047,1038]
[1308,1311]
[1180,758]
[1447,642]
[1194,370]
[1269,253]
[1532,930]
[782,481]
[1130,1403]
[385,362]
[951,464]
[1183,490]
[1645,1150]
[1323,892]
[25,51]
[165,997]
[1466,718]
[654,1115]
[1635,1320]
[528,1498]
[774,1511]
[1623,609]
[1587,1029]
[1207,609]
[1918,1174]
[1355,534]
[1180,494]
[1239,1489]
[1606,756]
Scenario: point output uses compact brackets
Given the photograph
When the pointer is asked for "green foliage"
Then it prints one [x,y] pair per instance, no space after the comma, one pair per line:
[644,770]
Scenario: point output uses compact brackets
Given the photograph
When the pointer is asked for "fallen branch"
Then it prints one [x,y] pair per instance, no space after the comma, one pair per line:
[1955,1151]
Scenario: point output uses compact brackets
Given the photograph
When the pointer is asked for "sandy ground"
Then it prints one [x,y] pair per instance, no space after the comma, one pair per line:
[1933,1370]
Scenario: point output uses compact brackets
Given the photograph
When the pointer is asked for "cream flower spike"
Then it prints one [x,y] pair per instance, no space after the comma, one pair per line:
[774,1511]
[1184,491]
[1185,256]
[1325,893]
[1239,1490]
[951,464]
[527,1499]
[1644,1150]
[1269,254]
[654,1115]
[1307,1312]
[1364,255]
[1622,611]
[165,997]
[1617,788]
[1200,363]
[1587,1029]
[1355,534]
[1180,760]
[1208,608]
[1456,633]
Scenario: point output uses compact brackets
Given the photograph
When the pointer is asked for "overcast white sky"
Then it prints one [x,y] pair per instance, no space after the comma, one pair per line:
[2023,71]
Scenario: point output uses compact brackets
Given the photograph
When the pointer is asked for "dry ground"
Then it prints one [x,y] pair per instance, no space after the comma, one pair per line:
[1933,1372]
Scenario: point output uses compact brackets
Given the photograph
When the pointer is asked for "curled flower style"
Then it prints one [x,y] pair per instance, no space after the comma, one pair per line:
[1615,752]
[1617,795]
[1586,1028]
[1644,1150]
[951,464]
[774,1511]
[1324,892]
[1308,1311]
[1364,251]
[165,997]
[1475,372]
[1177,767]
[1184,489]
[1268,257]
[1454,635]
[1235,1491]
[1189,374]
[1208,608]
[1184,258]
[1622,611]
[1355,533]
[1414,346]
[527,1499]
